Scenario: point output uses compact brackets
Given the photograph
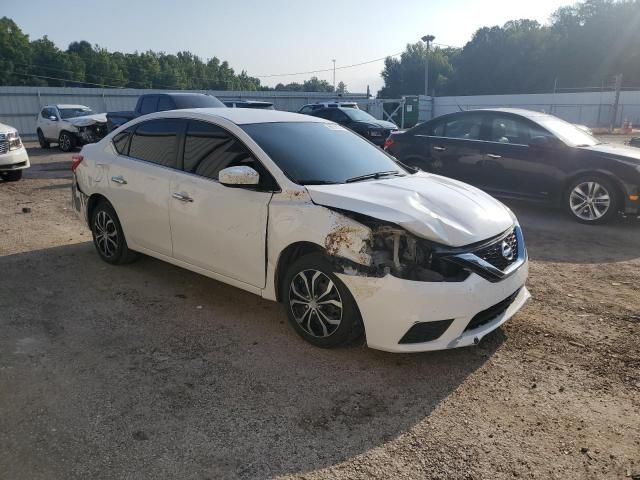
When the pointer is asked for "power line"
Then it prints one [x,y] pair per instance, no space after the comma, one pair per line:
[65,80]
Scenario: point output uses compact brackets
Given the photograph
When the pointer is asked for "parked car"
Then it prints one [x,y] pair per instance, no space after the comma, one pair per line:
[374,130]
[160,102]
[13,155]
[634,142]
[527,155]
[248,104]
[301,210]
[311,107]
[69,126]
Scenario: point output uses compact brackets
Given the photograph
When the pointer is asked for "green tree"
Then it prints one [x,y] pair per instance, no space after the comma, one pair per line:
[341,88]
[15,54]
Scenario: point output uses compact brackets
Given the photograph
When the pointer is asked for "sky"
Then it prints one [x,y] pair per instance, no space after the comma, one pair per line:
[276,36]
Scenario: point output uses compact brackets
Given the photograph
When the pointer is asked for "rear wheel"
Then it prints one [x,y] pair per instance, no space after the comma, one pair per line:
[12,176]
[42,141]
[66,142]
[108,236]
[592,199]
[320,308]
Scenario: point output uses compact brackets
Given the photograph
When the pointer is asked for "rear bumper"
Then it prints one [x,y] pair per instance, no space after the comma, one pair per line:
[391,306]
[14,160]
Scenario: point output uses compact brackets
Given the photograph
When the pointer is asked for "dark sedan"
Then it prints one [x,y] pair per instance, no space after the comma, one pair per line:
[528,155]
[374,130]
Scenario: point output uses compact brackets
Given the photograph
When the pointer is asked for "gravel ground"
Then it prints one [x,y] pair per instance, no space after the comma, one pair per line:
[150,371]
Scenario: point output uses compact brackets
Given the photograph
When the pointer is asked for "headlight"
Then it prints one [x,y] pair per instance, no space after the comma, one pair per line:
[14,140]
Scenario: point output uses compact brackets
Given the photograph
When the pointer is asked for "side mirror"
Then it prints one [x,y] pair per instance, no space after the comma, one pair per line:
[544,142]
[53,118]
[241,176]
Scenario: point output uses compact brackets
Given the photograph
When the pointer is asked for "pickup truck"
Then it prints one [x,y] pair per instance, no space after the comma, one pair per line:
[159,102]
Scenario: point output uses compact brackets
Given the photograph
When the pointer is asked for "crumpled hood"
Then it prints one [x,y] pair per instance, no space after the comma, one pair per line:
[429,206]
[612,150]
[6,128]
[88,120]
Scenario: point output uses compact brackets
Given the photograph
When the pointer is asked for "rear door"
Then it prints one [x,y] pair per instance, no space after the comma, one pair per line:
[455,147]
[512,167]
[215,227]
[140,179]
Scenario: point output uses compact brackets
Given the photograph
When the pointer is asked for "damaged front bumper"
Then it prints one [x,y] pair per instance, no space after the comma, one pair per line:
[394,309]
[90,133]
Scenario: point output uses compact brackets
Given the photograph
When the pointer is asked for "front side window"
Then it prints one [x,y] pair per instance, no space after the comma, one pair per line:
[155,141]
[320,153]
[209,148]
[509,129]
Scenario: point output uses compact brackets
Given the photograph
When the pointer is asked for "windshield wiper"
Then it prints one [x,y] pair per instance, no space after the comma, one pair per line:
[373,175]
[316,182]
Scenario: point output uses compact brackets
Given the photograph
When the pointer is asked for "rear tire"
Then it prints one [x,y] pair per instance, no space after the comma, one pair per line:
[66,142]
[12,176]
[592,199]
[319,306]
[108,236]
[42,141]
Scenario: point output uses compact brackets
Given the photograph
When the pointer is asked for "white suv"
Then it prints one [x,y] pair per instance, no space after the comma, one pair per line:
[301,210]
[13,155]
[69,126]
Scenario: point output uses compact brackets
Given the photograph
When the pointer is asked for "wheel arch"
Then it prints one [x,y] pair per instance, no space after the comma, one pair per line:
[289,255]
[93,201]
[620,190]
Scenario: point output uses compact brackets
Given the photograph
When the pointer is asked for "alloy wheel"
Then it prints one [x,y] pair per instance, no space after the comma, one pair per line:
[589,201]
[315,303]
[106,234]
[65,143]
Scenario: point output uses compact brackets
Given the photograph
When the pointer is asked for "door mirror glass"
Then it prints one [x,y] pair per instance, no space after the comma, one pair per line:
[239,176]
[53,118]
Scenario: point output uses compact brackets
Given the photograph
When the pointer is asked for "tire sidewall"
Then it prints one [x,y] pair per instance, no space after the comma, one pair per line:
[608,185]
[121,249]
[350,327]
[41,140]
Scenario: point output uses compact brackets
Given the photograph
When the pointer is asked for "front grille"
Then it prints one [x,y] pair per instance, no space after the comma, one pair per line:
[4,146]
[491,313]
[493,253]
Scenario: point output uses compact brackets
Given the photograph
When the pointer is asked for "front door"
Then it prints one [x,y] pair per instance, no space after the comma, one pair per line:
[219,228]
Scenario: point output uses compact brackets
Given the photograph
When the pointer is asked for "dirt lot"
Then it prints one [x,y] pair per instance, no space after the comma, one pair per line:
[150,371]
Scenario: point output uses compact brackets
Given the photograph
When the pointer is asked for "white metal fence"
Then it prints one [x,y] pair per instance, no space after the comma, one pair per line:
[20,105]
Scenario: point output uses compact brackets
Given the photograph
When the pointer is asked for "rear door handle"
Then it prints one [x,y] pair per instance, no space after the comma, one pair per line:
[182,197]
[439,149]
[494,156]
[119,180]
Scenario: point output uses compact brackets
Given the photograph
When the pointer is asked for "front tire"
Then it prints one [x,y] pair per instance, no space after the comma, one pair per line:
[319,306]
[12,176]
[42,141]
[66,142]
[108,236]
[592,199]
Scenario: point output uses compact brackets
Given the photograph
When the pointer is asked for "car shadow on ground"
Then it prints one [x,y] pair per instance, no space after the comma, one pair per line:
[553,236]
[148,370]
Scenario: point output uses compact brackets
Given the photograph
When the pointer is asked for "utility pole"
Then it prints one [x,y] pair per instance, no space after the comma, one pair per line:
[427,39]
[616,102]
[334,75]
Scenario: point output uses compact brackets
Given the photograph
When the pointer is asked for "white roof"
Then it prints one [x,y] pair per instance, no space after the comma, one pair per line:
[65,105]
[241,116]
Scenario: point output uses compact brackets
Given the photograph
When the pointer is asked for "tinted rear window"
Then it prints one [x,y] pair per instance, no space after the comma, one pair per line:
[155,141]
[319,152]
[197,101]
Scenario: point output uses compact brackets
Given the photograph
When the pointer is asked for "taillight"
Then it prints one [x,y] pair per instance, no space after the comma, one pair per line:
[75,161]
[388,142]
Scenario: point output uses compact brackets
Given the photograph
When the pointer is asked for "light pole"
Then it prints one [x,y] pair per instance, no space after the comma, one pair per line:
[334,75]
[427,39]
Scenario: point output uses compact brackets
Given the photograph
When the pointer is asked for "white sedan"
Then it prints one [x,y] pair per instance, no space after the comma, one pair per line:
[303,211]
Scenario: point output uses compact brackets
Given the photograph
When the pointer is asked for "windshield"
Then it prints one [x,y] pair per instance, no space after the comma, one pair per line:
[74,112]
[320,153]
[567,132]
[359,115]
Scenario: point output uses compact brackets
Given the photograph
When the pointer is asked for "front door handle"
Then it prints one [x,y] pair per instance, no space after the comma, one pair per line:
[119,180]
[439,149]
[183,197]
[494,156]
